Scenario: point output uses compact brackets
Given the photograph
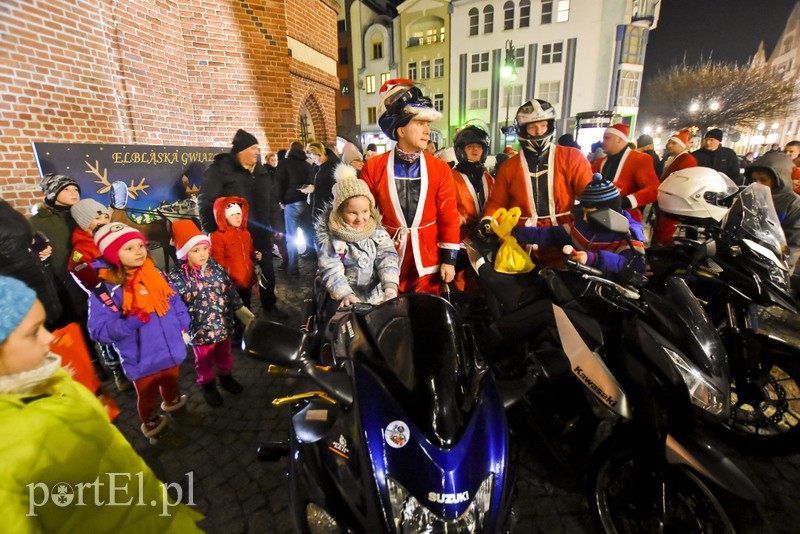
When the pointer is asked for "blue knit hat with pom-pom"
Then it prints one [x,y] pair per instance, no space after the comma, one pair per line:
[600,194]
[16,300]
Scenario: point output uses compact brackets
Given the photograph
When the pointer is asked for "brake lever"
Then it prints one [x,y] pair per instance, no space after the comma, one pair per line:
[626,292]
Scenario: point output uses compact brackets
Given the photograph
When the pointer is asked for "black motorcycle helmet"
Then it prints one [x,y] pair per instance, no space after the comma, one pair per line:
[534,111]
[471,132]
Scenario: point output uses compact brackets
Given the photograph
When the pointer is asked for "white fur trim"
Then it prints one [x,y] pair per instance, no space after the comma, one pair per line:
[190,244]
[617,133]
[677,140]
[632,198]
[423,113]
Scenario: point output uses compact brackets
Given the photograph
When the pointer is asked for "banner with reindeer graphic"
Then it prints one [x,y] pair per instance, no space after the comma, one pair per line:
[140,178]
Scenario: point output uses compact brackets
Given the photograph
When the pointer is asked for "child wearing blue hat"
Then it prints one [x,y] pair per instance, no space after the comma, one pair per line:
[602,249]
[55,435]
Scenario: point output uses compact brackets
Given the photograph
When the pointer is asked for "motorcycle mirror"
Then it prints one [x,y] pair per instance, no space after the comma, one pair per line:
[611,220]
[276,343]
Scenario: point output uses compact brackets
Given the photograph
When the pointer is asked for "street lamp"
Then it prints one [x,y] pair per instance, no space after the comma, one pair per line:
[508,71]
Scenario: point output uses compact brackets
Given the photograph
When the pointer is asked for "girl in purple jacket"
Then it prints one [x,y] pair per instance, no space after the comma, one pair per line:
[140,312]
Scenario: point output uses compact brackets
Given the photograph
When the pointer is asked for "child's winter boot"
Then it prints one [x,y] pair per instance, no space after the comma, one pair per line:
[180,413]
[230,384]
[158,434]
[211,394]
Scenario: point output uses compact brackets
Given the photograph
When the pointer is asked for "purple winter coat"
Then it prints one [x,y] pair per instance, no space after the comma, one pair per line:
[145,348]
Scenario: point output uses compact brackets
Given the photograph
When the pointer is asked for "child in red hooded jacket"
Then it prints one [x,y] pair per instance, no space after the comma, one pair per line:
[232,245]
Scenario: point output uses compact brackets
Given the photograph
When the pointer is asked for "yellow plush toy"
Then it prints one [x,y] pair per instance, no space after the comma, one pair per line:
[511,259]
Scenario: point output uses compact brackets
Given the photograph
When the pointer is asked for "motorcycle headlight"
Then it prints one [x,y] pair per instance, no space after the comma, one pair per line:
[702,390]
[779,276]
[412,517]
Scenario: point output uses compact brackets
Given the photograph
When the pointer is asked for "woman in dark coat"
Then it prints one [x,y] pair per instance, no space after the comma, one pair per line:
[17,260]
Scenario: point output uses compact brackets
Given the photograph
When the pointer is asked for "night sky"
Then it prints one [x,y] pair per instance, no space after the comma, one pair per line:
[725,30]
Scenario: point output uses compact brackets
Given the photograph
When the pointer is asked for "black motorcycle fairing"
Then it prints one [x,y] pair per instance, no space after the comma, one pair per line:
[420,355]
[688,325]
[313,421]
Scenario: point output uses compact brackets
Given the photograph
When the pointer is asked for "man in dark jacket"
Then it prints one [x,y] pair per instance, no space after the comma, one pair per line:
[774,169]
[240,173]
[645,145]
[294,174]
[718,157]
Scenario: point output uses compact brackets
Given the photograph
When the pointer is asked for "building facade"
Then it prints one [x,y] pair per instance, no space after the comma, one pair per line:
[424,44]
[785,59]
[161,73]
[579,55]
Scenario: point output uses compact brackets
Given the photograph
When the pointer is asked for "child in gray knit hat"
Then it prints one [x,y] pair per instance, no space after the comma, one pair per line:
[357,259]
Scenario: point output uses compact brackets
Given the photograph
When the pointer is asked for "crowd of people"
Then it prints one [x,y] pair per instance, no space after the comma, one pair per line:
[379,224]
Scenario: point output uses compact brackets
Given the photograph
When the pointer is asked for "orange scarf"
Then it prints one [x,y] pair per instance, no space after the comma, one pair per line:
[146,289]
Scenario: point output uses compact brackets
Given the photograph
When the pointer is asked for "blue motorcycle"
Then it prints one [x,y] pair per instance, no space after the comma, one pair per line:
[408,430]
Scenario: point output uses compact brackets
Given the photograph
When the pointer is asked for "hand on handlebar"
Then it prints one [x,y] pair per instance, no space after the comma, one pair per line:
[579,256]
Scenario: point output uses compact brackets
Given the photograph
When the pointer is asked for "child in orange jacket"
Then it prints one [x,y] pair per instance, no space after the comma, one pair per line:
[232,245]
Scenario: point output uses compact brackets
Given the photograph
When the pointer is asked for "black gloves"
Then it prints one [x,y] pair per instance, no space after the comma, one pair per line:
[626,203]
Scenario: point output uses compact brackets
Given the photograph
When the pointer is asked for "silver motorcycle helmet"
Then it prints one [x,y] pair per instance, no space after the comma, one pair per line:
[692,194]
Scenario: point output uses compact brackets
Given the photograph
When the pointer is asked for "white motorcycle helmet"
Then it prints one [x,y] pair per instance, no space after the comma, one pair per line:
[683,194]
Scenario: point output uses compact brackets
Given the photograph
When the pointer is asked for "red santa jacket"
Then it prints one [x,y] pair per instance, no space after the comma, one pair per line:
[568,172]
[684,160]
[233,247]
[469,208]
[84,252]
[636,179]
[435,222]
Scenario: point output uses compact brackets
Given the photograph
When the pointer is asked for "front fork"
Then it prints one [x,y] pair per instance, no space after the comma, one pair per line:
[744,354]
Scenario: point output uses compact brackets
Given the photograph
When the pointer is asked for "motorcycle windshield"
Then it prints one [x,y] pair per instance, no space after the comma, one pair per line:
[753,216]
[424,363]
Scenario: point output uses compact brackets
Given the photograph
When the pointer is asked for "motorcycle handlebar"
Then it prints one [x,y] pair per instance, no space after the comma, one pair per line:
[581,268]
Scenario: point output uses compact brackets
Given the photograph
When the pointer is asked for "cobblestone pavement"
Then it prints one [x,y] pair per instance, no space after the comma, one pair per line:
[220,476]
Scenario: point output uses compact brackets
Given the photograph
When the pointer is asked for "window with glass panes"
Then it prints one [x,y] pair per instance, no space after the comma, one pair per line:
[508,16]
[384,77]
[425,69]
[377,50]
[474,21]
[629,89]
[552,52]
[524,13]
[515,94]
[369,83]
[438,102]
[550,91]
[438,67]
[412,70]
[547,12]
[562,11]
[372,115]
[488,19]
[633,46]
[478,99]
[480,62]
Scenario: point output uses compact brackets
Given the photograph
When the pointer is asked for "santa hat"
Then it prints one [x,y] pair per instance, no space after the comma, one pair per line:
[186,236]
[620,129]
[401,101]
[681,137]
[112,237]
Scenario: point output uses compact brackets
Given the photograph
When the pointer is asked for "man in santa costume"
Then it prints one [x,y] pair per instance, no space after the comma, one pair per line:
[631,171]
[473,184]
[543,179]
[678,156]
[414,190]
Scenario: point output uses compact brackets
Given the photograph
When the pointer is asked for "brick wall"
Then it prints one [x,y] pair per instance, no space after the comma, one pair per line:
[171,72]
